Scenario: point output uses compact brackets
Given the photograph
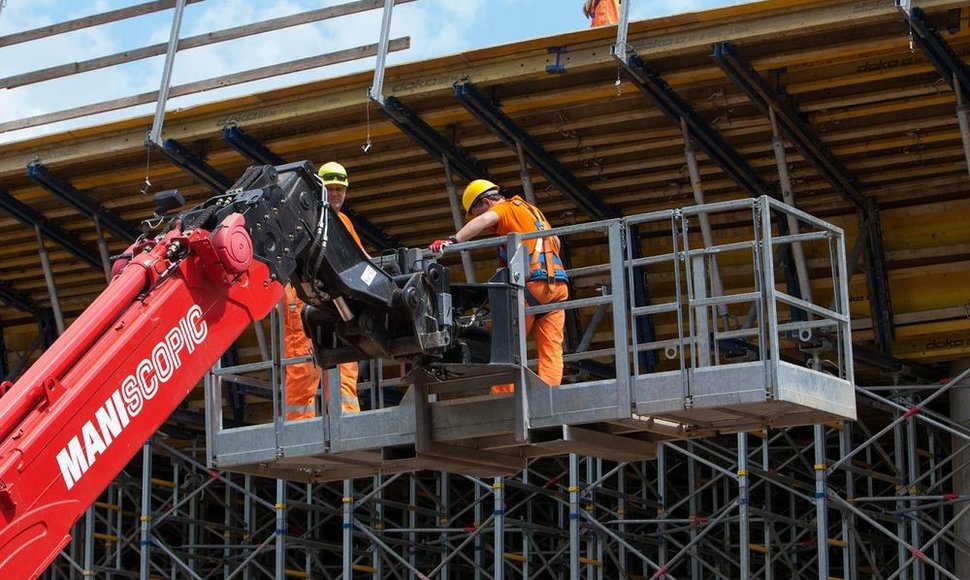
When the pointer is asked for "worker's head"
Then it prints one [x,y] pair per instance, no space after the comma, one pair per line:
[334,178]
[479,196]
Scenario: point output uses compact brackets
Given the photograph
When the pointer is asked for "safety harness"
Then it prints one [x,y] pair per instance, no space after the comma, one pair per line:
[544,263]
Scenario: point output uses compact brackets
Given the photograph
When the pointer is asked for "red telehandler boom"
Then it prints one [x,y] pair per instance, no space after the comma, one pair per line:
[174,305]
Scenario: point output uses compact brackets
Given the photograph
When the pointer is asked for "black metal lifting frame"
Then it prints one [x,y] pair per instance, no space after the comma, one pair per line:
[249,147]
[790,122]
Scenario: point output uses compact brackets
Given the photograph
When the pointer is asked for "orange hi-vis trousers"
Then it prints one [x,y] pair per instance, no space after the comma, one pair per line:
[303,379]
[548,329]
[348,387]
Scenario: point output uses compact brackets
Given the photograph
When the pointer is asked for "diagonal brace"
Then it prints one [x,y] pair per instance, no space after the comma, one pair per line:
[80,201]
[412,125]
[795,128]
[708,139]
[32,218]
[490,115]
[194,165]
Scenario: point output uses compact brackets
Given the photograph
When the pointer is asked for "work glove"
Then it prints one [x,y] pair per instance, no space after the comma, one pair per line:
[437,247]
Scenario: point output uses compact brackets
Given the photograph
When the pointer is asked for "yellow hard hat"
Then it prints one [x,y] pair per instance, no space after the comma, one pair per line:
[334,173]
[474,190]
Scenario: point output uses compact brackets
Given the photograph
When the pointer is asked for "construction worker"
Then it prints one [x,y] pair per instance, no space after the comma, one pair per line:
[303,379]
[488,210]
[602,12]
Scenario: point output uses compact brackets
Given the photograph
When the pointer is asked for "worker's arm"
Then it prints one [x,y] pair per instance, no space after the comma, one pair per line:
[486,221]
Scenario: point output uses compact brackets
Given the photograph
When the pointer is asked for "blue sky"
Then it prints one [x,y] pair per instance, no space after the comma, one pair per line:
[436,28]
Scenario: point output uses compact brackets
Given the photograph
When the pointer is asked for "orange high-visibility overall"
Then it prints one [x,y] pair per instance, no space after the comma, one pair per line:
[546,283]
[303,379]
[605,12]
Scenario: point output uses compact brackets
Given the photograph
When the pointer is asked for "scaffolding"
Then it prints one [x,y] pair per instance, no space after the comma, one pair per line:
[843,501]
[721,478]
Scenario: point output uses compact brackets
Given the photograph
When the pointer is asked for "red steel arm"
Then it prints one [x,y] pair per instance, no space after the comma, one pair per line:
[85,408]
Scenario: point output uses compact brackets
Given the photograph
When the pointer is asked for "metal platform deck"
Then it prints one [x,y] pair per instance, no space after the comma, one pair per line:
[731,351]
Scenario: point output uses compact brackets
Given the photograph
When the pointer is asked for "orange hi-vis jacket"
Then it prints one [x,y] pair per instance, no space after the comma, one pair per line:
[605,12]
[518,215]
[303,379]
[350,228]
[546,283]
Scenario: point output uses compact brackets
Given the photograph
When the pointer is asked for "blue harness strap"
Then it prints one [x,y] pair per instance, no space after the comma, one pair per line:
[542,273]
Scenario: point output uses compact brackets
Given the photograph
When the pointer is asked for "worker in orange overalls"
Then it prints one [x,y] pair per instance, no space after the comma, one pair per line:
[488,210]
[302,379]
[602,12]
